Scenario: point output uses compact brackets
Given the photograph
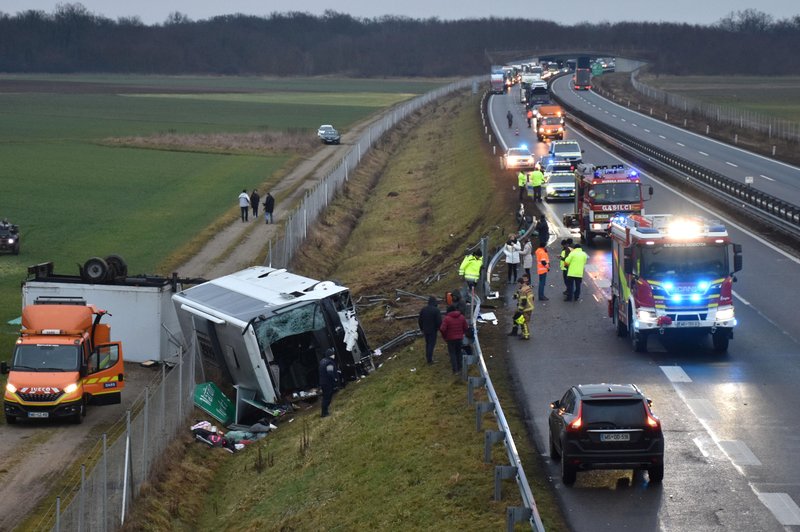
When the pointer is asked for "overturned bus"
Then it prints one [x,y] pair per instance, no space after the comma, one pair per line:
[264,330]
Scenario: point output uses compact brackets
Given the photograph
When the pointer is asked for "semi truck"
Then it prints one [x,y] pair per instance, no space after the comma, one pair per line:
[498,83]
[671,275]
[601,192]
[582,80]
[63,360]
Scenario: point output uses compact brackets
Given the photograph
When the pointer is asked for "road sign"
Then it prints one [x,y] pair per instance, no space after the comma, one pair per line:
[597,69]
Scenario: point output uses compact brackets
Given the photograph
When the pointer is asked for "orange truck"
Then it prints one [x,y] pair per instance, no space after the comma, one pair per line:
[63,361]
[549,122]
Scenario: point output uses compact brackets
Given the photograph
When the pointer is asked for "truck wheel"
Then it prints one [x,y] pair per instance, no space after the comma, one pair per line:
[95,270]
[117,266]
[622,329]
[638,340]
[720,340]
[587,238]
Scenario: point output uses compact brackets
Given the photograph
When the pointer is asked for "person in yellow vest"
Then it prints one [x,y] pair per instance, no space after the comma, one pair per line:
[537,180]
[576,263]
[470,268]
[566,247]
[524,308]
[522,182]
[542,267]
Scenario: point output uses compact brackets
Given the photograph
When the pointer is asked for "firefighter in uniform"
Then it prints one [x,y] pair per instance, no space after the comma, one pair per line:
[524,308]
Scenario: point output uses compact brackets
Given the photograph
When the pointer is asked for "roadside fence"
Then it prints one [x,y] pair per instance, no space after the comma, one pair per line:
[115,469]
[280,253]
[742,118]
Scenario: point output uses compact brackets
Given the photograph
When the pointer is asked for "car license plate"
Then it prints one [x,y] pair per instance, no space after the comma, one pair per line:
[615,436]
[687,323]
[38,414]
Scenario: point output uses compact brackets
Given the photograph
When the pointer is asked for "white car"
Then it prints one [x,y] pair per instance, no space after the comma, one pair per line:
[559,185]
[325,128]
[518,158]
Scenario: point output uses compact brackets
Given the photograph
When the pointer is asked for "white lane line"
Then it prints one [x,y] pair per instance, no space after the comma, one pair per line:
[675,374]
[740,298]
[703,153]
[703,409]
[613,116]
[739,453]
[731,164]
[701,445]
[681,144]
[646,130]
[662,137]
[635,125]
[782,507]
[624,120]
[766,177]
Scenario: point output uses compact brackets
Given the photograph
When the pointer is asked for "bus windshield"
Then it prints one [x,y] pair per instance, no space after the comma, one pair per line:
[44,357]
[684,261]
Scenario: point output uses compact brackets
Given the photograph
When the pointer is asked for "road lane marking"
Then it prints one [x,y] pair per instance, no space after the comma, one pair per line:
[730,163]
[662,137]
[703,153]
[624,120]
[681,144]
[701,446]
[613,116]
[766,177]
[739,453]
[675,374]
[646,130]
[782,507]
[740,298]
[634,125]
[703,409]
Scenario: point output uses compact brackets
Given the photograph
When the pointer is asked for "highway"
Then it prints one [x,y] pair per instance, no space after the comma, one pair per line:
[729,420]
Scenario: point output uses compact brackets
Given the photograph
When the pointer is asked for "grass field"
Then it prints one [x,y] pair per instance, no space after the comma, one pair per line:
[75,196]
[773,96]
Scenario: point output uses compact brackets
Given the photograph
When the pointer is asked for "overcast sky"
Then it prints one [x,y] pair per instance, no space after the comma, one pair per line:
[691,11]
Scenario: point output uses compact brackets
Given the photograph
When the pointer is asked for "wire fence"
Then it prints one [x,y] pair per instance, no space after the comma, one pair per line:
[115,469]
[101,494]
[297,224]
[729,114]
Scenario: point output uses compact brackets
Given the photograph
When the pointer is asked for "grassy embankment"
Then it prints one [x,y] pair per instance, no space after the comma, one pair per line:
[77,189]
[400,451]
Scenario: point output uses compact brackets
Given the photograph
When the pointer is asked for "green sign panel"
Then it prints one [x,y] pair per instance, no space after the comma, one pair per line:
[597,69]
[211,400]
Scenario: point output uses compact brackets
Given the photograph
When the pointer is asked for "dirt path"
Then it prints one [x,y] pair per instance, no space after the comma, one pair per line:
[215,259]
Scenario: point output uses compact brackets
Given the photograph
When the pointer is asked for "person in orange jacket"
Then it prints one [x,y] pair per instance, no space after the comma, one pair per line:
[542,267]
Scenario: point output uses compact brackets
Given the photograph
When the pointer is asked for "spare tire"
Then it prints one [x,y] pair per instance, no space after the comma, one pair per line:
[95,270]
[117,266]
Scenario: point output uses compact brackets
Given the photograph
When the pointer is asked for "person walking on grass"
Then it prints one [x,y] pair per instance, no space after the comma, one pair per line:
[327,379]
[254,199]
[430,319]
[576,263]
[269,206]
[244,204]
[453,328]
[542,267]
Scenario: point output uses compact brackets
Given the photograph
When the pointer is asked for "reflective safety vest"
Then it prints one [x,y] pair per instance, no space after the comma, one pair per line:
[576,262]
[522,178]
[471,267]
[563,255]
[537,178]
[541,256]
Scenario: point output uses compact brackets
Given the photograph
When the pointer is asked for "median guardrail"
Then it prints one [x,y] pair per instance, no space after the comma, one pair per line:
[763,206]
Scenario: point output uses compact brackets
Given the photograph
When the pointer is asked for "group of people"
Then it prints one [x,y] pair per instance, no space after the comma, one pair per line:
[530,184]
[454,329]
[252,201]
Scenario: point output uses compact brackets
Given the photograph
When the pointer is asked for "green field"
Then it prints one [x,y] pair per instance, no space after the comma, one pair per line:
[774,96]
[75,197]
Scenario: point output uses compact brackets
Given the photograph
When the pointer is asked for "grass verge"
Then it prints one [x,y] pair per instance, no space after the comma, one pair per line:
[400,450]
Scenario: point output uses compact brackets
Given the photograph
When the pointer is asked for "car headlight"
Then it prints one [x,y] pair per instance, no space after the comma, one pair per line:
[71,388]
[725,314]
[10,240]
[646,316]
[11,388]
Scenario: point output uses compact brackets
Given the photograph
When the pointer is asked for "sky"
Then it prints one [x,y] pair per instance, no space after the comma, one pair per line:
[690,11]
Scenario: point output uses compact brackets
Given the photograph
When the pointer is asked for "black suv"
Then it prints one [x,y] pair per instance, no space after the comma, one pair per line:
[9,237]
[606,426]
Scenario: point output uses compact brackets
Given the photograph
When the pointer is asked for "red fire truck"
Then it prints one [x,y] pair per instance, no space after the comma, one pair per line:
[600,193]
[671,275]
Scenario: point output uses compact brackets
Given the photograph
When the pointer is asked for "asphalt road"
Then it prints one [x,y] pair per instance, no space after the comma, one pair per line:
[730,420]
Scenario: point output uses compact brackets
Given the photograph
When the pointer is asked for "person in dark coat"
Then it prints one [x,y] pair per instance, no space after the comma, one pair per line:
[269,206]
[454,326]
[543,230]
[430,319]
[254,199]
[327,378]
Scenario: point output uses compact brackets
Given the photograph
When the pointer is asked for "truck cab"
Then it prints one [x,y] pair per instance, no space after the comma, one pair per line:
[62,361]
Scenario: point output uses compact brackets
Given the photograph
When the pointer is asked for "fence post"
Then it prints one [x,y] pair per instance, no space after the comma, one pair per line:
[491,437]
[180,389]
[81,497]
[708,128]
[472,382]
[127,473]
[773,150]
[480,409]
[146,431]
[103,505]
[501,473]
[58,514]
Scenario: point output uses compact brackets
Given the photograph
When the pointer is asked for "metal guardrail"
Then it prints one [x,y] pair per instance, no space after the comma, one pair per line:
[766,207]
[514,514]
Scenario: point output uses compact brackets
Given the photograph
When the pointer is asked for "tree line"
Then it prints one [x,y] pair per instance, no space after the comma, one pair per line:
[73,39]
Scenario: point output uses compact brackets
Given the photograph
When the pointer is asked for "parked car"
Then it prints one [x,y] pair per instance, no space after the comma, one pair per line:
[328,134]
[559,185]
[516,158]
[605,426]
[9,237]
[566,150]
